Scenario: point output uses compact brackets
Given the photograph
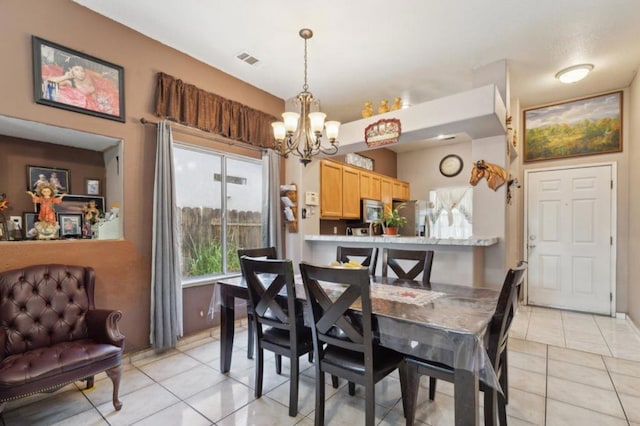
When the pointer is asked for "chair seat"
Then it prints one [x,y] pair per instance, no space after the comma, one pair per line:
[46,362]
[280,337]
[384,360]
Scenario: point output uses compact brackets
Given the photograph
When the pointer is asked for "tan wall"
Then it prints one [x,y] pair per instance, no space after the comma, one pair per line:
[633,118]
[622,159]
[122,267]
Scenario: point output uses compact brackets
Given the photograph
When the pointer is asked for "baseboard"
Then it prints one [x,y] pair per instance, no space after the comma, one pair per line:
[621,315]
[633,325]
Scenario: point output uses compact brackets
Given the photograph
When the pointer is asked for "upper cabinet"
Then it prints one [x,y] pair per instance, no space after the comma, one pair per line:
[342,187]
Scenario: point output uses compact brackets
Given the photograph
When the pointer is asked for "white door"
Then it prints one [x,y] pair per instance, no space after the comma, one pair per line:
[569,238]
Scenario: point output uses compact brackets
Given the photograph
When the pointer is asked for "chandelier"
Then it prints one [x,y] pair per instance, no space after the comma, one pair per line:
[300,134]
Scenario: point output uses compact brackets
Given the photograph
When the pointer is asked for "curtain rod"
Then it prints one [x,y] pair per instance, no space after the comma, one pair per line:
[204,135]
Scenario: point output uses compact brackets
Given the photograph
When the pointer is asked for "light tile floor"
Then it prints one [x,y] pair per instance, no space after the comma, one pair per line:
[565,368]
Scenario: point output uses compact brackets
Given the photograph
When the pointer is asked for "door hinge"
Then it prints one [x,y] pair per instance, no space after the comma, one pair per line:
[611,183]
[610,240]
[610,297]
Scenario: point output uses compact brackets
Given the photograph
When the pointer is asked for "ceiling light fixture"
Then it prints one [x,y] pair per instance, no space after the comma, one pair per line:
[300,133]
[574,73]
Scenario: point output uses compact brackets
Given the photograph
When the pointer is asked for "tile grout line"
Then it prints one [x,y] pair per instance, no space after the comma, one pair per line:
[617,393]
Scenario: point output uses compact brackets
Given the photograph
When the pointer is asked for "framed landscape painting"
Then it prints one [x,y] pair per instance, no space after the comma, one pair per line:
[582,127]
[72,80]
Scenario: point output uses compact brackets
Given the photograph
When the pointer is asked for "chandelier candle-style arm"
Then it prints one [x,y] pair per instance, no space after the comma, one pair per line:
[301,133]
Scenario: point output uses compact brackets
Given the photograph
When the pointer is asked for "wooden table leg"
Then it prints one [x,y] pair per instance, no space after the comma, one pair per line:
[466,397]
[227,330]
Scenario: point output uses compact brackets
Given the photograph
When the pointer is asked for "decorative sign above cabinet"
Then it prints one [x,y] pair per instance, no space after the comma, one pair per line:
[359,160]
[382,132]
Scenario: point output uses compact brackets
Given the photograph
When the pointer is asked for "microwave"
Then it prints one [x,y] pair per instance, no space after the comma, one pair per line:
[372,211]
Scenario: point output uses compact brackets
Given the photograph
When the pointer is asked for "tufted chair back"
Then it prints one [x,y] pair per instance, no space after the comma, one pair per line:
[43,305]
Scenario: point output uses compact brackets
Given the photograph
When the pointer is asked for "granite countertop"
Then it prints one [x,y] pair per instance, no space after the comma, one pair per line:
[383,239]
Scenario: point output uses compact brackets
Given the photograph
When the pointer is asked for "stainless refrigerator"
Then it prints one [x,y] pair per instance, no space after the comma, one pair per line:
[416,213]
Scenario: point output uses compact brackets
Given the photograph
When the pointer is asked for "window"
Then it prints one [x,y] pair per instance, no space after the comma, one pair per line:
[220,198]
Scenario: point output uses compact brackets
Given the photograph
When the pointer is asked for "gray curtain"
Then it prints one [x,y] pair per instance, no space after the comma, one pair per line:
[166,286]
[272,217]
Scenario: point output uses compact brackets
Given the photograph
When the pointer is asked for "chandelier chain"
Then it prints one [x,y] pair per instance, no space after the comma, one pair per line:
[305,86]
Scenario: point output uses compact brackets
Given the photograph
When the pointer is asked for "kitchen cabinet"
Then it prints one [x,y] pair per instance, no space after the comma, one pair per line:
[400,190]
[350,193]
[369,185]
[330,189]
[386,192]
[342,187]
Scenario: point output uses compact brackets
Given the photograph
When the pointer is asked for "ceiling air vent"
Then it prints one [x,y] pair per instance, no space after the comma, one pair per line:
[245,57]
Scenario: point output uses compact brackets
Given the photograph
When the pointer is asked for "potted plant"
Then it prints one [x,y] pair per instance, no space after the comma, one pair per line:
[393,220]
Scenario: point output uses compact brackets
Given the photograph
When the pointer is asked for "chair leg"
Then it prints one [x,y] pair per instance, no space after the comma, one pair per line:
[278,364]
[319,416]
[259,370]
[334,382]
[502,410]
[115,374]
[311,357]
[352,388]
[504,377]
[250,335]
[490,407]
[370,404]
[293,387]
[89,381]
[432,388]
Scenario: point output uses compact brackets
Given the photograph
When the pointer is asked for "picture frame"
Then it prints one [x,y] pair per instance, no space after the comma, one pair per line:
[71,225]
[75,203]
[586,126]
[58,177]
[92,186]
[29,220]
[72,80]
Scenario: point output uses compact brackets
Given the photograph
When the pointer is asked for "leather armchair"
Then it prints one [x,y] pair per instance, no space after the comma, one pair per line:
[51,334]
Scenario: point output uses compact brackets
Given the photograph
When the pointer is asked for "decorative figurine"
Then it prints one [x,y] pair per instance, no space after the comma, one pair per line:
[368,110]
[47,225]
[384,107]
[397,103]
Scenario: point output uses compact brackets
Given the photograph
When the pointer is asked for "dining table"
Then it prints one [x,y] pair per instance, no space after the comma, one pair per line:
[446,323]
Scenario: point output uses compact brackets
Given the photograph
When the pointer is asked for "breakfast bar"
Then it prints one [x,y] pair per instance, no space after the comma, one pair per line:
[456,261]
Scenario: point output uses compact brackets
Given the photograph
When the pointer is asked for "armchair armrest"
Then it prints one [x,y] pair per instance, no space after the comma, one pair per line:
[102,325]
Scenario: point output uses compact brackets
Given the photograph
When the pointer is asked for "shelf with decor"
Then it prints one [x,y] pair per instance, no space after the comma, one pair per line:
[289,200]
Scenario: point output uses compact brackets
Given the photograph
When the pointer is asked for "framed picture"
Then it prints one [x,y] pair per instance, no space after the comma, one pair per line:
[92,186]
[70,225]
[59,178]
[583,127]
[72,80]
[359,160]
[29,220]
[75,203]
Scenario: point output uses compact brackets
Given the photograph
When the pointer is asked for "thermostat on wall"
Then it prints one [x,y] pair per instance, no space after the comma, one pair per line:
[311,198]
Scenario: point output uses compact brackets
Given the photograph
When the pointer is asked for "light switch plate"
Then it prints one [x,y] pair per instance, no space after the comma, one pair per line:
[311,198]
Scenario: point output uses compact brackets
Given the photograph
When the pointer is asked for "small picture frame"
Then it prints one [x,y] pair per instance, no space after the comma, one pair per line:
[76,203]
[70,225]
[92,186]
[58,178]
[29,220]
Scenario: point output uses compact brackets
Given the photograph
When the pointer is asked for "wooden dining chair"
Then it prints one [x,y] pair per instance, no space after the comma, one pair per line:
[261,252]
[496,344]
[278,320]
[420,260]
[368,254]
[343,341]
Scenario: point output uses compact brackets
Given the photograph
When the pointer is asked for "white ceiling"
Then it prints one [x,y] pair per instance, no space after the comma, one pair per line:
[417,49]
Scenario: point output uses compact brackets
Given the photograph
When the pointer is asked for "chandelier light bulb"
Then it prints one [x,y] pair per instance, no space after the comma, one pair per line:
[574,73]
[279,132]
[332,128]
[316,121]
[290,121]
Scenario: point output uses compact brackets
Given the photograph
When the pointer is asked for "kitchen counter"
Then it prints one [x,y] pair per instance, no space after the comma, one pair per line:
[385,239]
[456,261]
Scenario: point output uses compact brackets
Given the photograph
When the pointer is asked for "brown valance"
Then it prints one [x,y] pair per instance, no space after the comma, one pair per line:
[186,104]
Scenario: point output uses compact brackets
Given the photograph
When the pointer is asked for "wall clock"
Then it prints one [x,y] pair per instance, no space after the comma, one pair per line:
[451,165]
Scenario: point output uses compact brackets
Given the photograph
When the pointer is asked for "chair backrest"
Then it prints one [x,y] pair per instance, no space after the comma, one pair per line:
[421,259]
[370,255]
[43,305]
[498,330]
[260,252]
[266,279]
[334,322]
